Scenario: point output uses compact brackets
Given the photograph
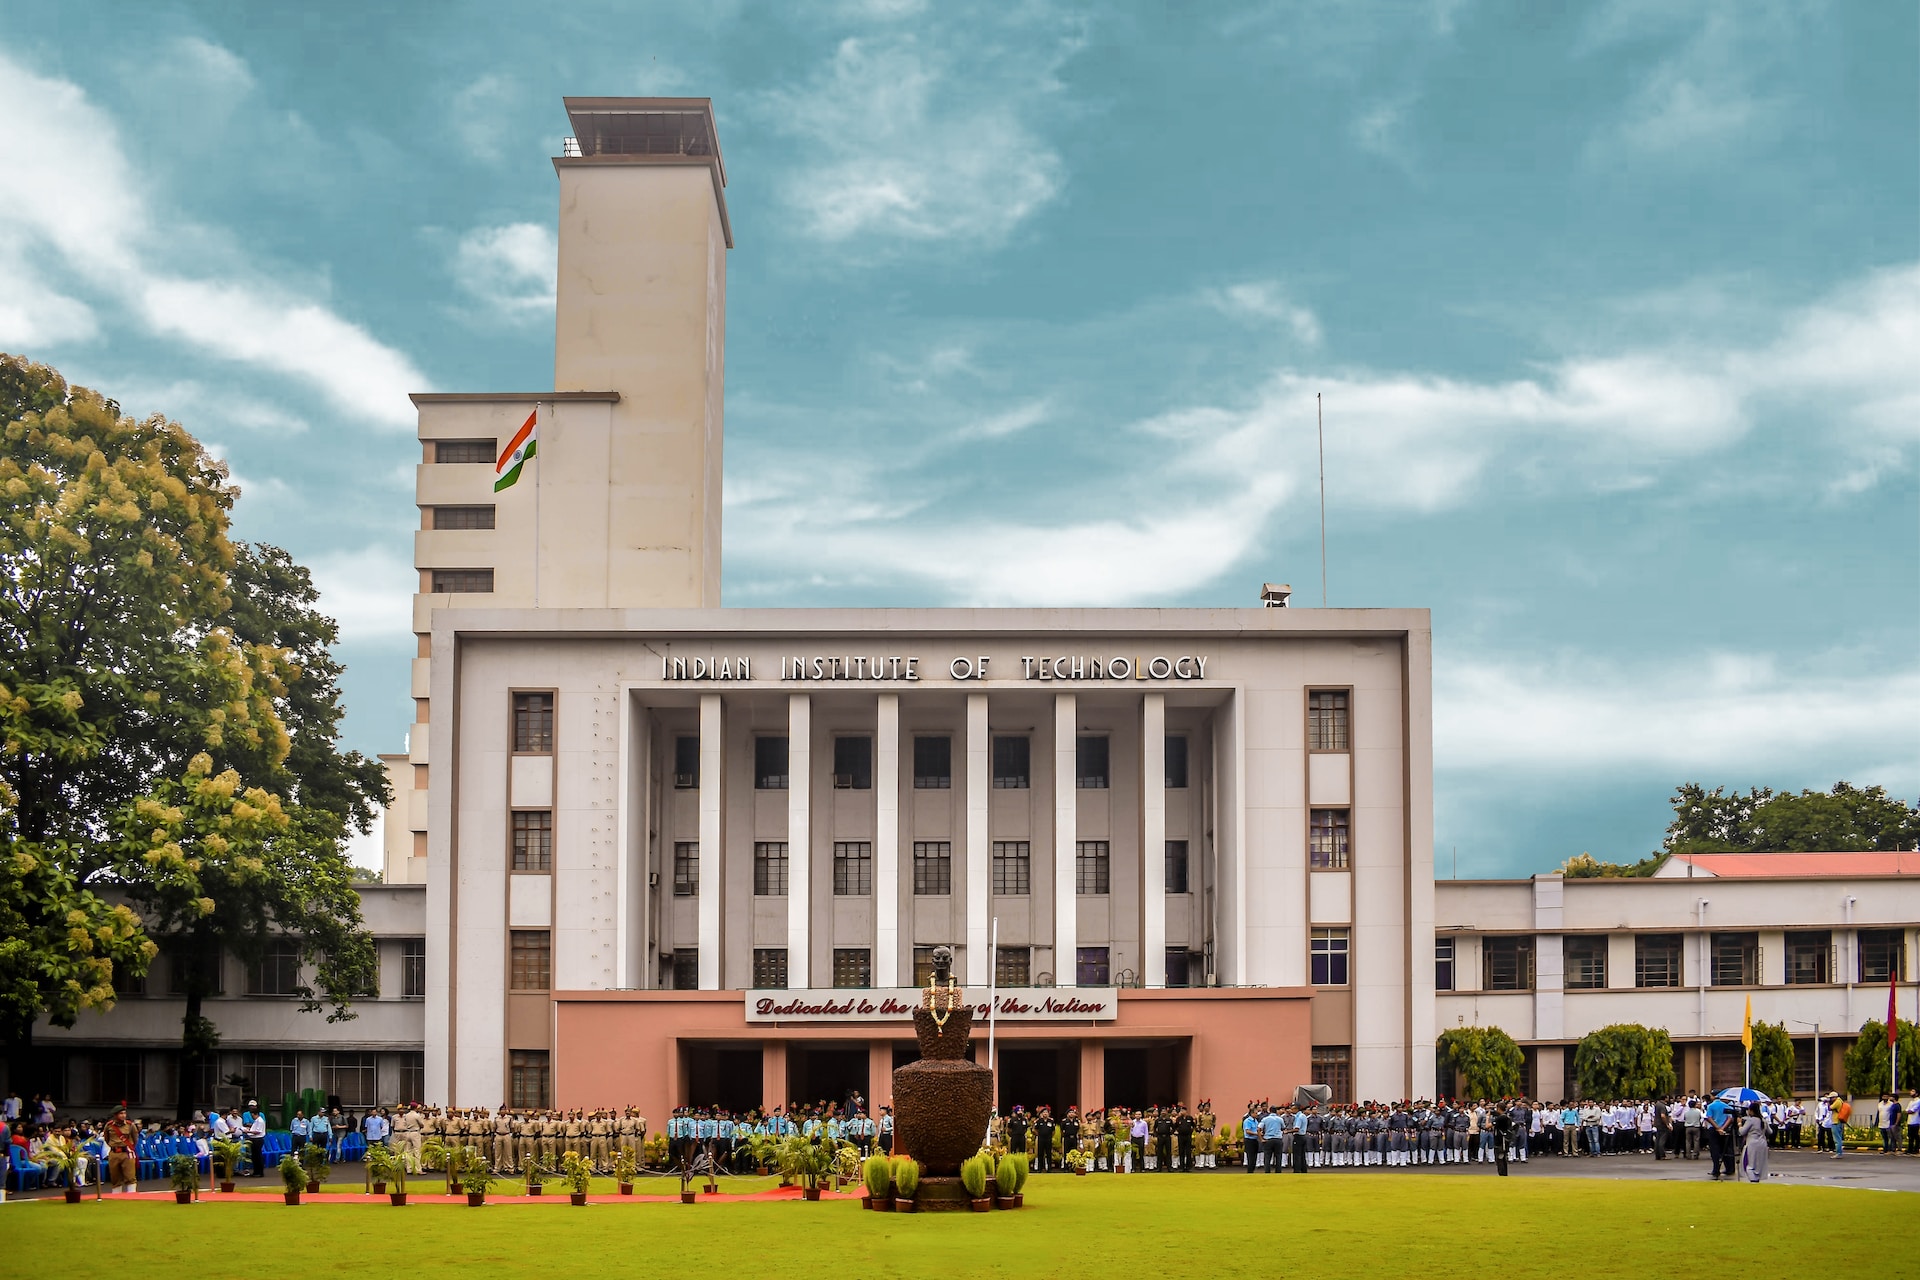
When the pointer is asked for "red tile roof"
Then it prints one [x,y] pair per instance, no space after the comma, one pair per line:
[1798,864]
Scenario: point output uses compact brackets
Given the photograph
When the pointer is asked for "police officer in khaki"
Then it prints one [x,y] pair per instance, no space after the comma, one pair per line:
[503,1141]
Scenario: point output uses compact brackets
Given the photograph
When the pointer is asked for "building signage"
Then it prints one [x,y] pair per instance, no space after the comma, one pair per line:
[896,1004]
[811,669]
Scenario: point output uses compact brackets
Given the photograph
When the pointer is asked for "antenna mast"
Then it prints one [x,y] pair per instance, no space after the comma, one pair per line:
[1320,424]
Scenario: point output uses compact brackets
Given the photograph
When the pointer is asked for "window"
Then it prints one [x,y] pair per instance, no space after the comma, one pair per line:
[852,967]
[202,967]
[1327,838]
[1804,1083]
[686,762]
[1443,964]
[533,840]
[117,1075]
[922,966]
[462,581]
[531,966]
[1329,957]
[1185,968]
[1327,721]
[413,1076]
[1091,867]
[349,1077]
[1011,763]
[1012,867]
[1656,960]
[270,1076]
[683,968]
[1727,1066]
[1176,763]
[686,868]
[413,967]
[276,972]
[530,1080]
[1881,955]
[464,451]
[770,764]
[770,967]
[1333,1067]
[769,869]
[1090,763]
[852,869]
[1013,966]
[1091,967]
[1809,958]
[461,517]
[533,722]
[1586,963]
[933,764]
[127,984]
[853,763]
[1176,866]
[1506,964]
[1735,959]
[932,868]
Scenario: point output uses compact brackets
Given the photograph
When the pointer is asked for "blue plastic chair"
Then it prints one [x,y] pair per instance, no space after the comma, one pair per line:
[24,1173]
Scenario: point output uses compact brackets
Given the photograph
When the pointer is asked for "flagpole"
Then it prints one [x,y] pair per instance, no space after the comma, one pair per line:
[536,508]
[1320,429]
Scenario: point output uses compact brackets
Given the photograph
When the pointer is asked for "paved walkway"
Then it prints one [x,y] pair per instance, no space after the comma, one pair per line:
[1868,1170]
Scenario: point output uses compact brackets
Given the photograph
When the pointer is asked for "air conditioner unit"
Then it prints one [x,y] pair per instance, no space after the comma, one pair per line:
[684,780]
[843,781]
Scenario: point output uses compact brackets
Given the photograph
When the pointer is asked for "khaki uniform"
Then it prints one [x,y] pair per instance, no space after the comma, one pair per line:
[526,1140]
[550,1140]
[575,1130]
[600,1142]
[503,1142]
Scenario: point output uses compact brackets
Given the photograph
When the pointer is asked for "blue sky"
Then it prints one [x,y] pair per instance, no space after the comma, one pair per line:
[1616,309]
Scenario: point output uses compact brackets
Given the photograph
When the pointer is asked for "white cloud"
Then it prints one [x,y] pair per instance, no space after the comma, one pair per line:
[1010,423]
[1266,301]
[1705,95]
[213,67]
[71,195]
[1724,714]
[369,592]
[510,270]
[35,315]
[478,114]
[913,139]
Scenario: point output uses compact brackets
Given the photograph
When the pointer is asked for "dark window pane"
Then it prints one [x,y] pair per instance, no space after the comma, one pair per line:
[1735,959]
[852,868]
[933,763]
[1327,839]
[1329,957]
[770,869]
[1091,968]
[852,967]
[1090,762]
[1882,954]
[1327,721]
[932,867]
[686,761]
[532,840]
[1091,867]
[1333,1067]
[770,764]
[1012,867]
[770,967]
[1586,963]
[1012,966]
[1011,763]
[1176,762]
[462,581]
[684,966]
[465,451]
[530,1080]
[1178,973]
[462,517]
[1656,960]
[922,965]
[533,722]
[276,972]
[686,868]
[531,964]
[413,967]
[1443,964]
[853,763]
[1176,866]
[1507,964]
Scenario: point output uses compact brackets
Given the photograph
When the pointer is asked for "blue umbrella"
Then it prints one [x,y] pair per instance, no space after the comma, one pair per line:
[1742,1096]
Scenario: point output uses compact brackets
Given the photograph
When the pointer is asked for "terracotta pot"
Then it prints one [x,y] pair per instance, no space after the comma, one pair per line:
[293,1197]
[182,1197]
[313,1188]
[73,1195]
[884,1204]
[905,1206]
[688,1197]
[1081,1172]
[453,1187]
[398,1197]
[577,1197]
[1019,1199]
[981,1206]
[866,1202]
[226,1188]
[535,1188]
[626,1188]
[809,1193]
[379,1188]
[1003,1202]
[476,1198]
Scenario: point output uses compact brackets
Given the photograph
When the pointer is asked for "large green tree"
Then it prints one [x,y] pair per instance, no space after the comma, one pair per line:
[1867,1065]
[1845,819]
[1489,1062]
[1625,1060]
[1772,1060]
[141,648]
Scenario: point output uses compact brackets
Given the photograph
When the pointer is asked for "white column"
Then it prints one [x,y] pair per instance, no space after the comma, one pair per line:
[1066,834]
[712,774]
[1153,838]
[979,864]
[886,842]
[799,843]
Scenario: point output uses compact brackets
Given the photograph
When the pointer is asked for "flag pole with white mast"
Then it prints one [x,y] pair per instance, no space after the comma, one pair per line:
[513,459]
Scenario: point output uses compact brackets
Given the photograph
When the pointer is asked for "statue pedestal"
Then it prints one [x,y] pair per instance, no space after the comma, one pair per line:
[941,1195]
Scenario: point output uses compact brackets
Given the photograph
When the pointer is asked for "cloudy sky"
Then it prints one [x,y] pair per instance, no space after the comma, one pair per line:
[1616,315]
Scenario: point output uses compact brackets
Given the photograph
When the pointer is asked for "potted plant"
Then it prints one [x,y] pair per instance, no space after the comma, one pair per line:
[846,1165]
[477,1176]
[654,1151]
[625,1166]
[227,1155]
[292,1176]
[65,1159]
[877,1174]
[766,1152]
[386,1165]
[1021,1167]
[577,1172]
[973,1176]
[313,1158]
[1077,1162]
[539,1169]
[435,1154]
[906,1181]
[183,1171]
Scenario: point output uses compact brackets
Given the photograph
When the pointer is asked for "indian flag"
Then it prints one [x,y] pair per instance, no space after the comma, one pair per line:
[518,453]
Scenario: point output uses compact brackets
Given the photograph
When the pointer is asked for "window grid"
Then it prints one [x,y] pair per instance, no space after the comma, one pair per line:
[686,868]
[1735,959]
[1012,763]
[684,966]
[852,868]
[933,764]
[531,964]
[770,764]
[1809,958]
[348,1076]
[1091,752]
[1092,966]
[1012,868]
[932,868]
[276,972]
[1881,954]
[1586,963]
[1181,966]
[1656,960]
[1092,867]
[853,763]
[269,1075]
[464,451]
[852,967]
[1506,964]
[532,839]
[462,517]
[413,967]
[533,722]
[769,870]
[1327,842]
[1013,966]
[1329,956]
[1333,1067]
[1176,866]
[1443,964]
[770,967]
[1327,721]
[530,1080]
[462,581]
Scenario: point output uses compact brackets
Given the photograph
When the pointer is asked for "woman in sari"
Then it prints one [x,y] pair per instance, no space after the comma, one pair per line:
[1753,1144]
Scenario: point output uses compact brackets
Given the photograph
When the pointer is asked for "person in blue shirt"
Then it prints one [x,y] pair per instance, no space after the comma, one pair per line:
[1719,1117]
[1272,1132]
[298,1127]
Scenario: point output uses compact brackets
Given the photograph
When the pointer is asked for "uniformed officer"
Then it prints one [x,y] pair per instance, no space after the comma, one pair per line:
[885,1135]
[1205,1133]
[1017,1129]
[1070,1129]
[1183,1138]
[503,1141]
[1043,1127]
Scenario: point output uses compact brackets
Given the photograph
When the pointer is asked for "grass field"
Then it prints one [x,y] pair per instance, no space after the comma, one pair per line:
[1140,1226]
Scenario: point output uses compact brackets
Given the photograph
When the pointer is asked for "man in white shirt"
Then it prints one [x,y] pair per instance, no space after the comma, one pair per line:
[257,1138]
[10,1109]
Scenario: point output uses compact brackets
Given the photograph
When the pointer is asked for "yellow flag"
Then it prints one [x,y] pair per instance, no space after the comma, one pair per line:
[1746,1026]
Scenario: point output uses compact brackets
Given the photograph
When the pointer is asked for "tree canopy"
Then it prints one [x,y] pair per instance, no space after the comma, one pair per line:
[1772,1061]
[1867,1065]
[1490,1063]
[1845,819]
[1625,1060]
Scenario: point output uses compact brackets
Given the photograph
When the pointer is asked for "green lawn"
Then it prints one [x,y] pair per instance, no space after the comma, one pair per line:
[1351,1227]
